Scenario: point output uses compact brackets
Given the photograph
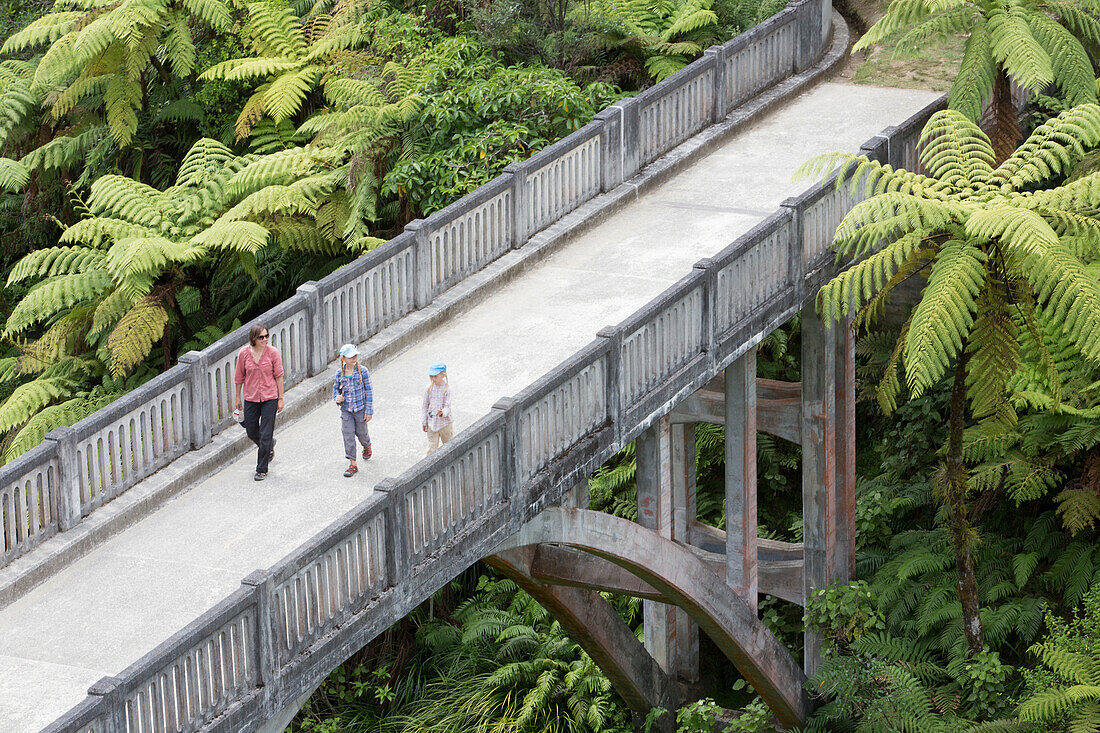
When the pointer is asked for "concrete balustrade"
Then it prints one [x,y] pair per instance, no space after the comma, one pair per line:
[462,238]
[561,408]
[361,299]
[326,581]
[660,340]
[30,501]
[111,450]
[668,114]
[756,271]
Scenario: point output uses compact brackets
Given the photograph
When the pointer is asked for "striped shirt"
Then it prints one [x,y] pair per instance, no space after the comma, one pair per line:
[357,391]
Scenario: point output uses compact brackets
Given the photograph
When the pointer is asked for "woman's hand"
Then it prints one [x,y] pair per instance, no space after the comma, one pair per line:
[238,403]
[280,407]
[439,412]
[424,428]
[339,399]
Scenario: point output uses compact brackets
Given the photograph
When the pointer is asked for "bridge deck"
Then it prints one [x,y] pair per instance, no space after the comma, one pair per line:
[110,607]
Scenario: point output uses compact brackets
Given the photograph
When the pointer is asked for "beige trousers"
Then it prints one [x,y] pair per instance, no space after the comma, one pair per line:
[438,437]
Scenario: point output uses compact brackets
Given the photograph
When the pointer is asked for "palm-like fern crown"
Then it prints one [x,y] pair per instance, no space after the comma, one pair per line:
[1011,270]
[103,51]
[292,55]
[668,33]
[1036,43]
[106,276]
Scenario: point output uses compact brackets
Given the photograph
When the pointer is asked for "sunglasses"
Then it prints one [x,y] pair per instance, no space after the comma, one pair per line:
[263,336]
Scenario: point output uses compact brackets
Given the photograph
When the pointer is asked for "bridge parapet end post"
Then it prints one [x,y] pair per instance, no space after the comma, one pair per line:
[796,264]
[615,407]
[720,99]
[511,478]
[262,585]
[520,215]
[109,689]
[199,410]
[877,148]
[398,565]
[422,263]
[315,324]
[710,291]
[623,158]
[611,147]
[69,504]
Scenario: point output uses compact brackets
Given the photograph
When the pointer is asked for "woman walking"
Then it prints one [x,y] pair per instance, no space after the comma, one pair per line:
[435,414]
[352,391]
[259,376]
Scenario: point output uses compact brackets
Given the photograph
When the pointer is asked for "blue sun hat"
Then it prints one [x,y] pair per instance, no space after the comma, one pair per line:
[436,368]
[348,350]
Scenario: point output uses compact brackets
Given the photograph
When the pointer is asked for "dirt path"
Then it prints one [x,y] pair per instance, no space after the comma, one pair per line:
[933,68]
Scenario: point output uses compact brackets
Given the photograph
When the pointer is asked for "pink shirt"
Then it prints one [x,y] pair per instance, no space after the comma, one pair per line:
[259,378]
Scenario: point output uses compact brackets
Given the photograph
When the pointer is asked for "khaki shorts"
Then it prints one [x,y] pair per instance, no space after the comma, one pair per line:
[437,437]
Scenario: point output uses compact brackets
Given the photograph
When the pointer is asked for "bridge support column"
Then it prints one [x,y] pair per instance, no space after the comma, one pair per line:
[844,561]
[666,504]
[818,477]
[741,545]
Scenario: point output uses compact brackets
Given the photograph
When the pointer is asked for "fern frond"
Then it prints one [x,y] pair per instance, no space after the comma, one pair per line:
[973,87]
[1017,50]
[54,261]
[134,335]
[28,399]
[943,318]
[53,296]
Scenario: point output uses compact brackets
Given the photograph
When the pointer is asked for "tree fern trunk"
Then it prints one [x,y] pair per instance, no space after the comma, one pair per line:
[962,534]
[1003,122]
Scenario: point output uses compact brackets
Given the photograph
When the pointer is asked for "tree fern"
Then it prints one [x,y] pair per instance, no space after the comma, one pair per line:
[1033,44]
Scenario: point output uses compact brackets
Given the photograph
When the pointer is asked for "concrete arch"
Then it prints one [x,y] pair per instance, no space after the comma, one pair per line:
[678,574]
[593,623]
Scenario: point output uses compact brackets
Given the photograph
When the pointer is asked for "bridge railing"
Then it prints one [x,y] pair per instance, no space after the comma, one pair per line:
[253,652]
[50,490]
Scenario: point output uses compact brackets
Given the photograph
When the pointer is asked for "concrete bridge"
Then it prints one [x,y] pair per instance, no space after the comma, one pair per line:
[671,216]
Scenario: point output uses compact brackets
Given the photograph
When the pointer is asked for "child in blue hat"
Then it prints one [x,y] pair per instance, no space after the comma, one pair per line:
[435,416]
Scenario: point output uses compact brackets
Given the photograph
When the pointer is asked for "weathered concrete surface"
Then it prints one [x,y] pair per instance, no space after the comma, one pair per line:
[679,574]
[595,625]
[107,609]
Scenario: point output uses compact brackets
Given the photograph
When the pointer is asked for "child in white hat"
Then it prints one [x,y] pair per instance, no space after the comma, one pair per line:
[435,416]
[351,390]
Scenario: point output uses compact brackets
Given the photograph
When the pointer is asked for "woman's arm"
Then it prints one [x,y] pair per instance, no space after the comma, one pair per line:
[279,384]
[238,378]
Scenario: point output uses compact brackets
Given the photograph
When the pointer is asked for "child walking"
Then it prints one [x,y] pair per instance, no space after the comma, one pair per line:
[436,412]
[351,390]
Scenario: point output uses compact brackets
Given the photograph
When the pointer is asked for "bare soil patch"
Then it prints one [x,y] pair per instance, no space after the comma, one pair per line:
[933,68]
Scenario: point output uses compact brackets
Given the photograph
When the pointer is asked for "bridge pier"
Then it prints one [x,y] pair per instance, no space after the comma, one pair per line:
[741,521]
[828,461]
[666,504]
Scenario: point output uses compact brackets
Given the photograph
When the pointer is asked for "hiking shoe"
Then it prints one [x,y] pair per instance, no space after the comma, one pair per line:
[352,470]
[366,451]
[259,476]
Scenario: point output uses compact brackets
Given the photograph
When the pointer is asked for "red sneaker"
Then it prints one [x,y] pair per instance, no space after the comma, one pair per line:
[352,470]
[366,451]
